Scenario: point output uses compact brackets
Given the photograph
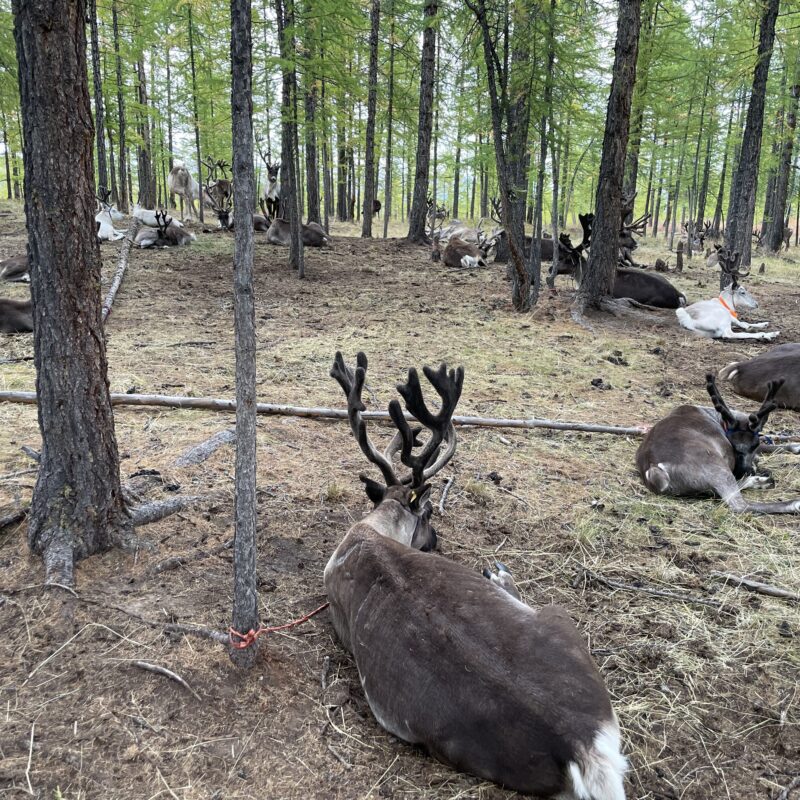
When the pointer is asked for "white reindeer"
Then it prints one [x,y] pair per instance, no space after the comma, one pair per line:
[107,214]
[716,318]
[148,216]
[181,183]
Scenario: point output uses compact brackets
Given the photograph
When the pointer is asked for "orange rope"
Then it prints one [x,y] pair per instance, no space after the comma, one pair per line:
[246,639]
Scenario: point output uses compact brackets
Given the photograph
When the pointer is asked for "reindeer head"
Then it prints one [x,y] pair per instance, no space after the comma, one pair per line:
[220,205]
[273,170]
[406,498]
[732,272]
[743,431]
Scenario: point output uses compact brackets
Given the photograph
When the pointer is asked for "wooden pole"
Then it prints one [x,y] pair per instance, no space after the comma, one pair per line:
[122,265]
[275,409]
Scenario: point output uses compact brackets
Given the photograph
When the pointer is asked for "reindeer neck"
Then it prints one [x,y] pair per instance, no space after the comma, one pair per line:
[726,298]
[392,520]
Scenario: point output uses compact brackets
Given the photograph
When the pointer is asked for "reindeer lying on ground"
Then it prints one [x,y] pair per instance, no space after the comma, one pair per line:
[313,234]
[751,378]
[701,451]
[15,269]
[166,235]
[459,253]
[447,659]
[107,214]
[16,316]
[181,183]
[149,216]
[716,318]
[648,288]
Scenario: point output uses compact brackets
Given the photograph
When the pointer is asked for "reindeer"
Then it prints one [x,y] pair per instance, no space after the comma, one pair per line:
[107,214]
[458,253]
[376,207]
[166,235]
[433,216]
[220,192]
[15,269]
[696,450]
[149,217]
[751,378]
[16,316]
[716,318]
[758,238]
[313,234]
[221,203]
[712,259]
[448,659]
[181,183]
[787,236]
[271,196]
[260,223]
[648,288]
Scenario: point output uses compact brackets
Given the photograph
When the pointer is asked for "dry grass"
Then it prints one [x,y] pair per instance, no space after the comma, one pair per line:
[707,699]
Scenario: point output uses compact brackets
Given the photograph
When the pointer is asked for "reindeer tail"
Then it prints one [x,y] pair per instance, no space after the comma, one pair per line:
[600,774]
[728,372]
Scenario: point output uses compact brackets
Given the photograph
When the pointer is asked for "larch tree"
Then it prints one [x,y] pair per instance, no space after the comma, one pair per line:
[77,507]
[602,264]
[372,102]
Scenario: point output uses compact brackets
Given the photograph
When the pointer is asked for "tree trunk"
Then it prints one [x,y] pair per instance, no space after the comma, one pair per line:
[245,594]
[742,207]
[775,235]
[660,190]
[99,116]
[679,174]
[312,166]
[77,508]
[170,143]
[419,207]
[372,102]
[387,180]
[327,177]
[123,163]
[5,154]
[289,175]
[196,116]
[147,178]
[717,221]
[605,235]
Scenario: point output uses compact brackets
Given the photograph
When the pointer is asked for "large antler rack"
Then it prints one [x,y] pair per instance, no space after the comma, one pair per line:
[441,445]
[756,421]
[729,264]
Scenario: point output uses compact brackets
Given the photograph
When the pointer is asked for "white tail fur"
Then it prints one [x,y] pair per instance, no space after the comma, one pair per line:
[600,775]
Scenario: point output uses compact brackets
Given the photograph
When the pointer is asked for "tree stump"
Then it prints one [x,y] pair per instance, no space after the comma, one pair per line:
[679,253]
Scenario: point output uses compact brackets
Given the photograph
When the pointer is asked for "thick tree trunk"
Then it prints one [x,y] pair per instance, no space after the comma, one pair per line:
[99,116]
[742,207]
[327,168]
[77,507]
[419,207]
[774,235]
[372,102]
[605,234]
[245,594]
[123,163]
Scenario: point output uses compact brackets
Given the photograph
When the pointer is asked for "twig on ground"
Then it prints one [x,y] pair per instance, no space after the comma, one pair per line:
[445,492]
[167,673]
[627,587]
[180,561]
[30,759]
[164,781]
[756,586]
[200,452]
[339,757]
[795,784]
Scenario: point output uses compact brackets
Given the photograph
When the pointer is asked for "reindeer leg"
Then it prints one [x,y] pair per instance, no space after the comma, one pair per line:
[503,579]
[728,489]
[764,337]
[748,326]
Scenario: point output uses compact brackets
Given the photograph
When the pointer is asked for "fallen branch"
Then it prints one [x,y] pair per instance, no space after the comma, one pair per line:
[756,586]
[200,452]
[13,517]
[122,265]
[627,587]
[167,673]
[180,561]
[153,512]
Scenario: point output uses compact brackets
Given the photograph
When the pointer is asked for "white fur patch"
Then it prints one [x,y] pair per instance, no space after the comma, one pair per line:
[600,776]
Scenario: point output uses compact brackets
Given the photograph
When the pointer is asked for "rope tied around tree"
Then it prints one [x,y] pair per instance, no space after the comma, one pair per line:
[241,641]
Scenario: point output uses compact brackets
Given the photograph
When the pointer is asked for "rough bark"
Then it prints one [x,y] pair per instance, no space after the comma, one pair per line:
[605,247]
[77,507]
[146,174]
[245,594]
[99,116]
[742,207]
[123,163]
[774,236]
[372,102]
[195,115]
[716,222]
[419,207]
[387,180]
[312,165]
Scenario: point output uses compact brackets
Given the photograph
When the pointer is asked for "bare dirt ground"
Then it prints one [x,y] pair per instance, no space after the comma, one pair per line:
[707,696]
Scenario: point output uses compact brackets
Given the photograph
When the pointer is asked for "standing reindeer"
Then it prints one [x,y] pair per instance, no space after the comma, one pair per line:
[181,183]
[219,191]
[716,318]
[447,659]
[702,451]
[271,195]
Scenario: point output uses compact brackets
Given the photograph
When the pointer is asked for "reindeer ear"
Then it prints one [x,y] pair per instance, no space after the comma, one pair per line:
[375,491]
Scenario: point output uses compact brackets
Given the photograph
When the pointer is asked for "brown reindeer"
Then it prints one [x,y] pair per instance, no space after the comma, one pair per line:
[447,659]
[16,316]
[457,253]
[15,269]
[313,234]
[166,234]
[751,378]
[219,191]
[703,451]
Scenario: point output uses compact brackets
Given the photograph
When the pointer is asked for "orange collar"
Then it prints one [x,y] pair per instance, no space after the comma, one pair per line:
[730,310]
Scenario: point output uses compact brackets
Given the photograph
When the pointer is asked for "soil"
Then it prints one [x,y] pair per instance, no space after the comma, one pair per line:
[707,698]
